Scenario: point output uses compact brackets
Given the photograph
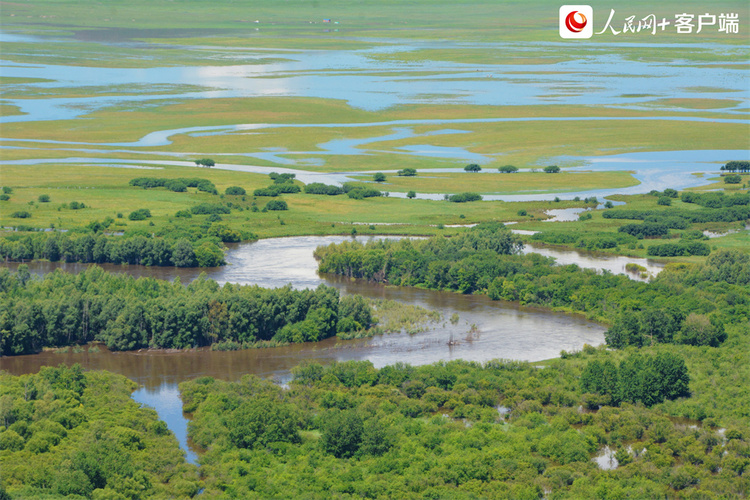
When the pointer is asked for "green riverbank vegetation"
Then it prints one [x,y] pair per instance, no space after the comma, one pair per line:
[126,313]
[66,433]
[687,304]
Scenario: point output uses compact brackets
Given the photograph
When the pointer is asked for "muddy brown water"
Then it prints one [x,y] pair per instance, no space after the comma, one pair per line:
[486,330]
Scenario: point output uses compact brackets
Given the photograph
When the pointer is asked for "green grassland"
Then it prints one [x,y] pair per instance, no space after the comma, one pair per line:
[105,192]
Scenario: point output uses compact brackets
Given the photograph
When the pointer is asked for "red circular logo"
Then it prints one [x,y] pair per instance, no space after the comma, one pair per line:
[573,24]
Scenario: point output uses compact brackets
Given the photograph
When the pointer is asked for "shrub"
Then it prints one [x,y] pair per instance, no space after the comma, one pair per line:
[732,179]
[209,208]
[7,190]
[320,188]
[282,178]
[43,198]
[140,214]
[407,172]
[411,194]
[522,213]
[473,167]
[379,177]
[276,205]
[464,197]
[552,169]
[4,197]
[205,162]
[21,214]
[269,191]
[507,169]
[183,213]
[664,200]
[74,205]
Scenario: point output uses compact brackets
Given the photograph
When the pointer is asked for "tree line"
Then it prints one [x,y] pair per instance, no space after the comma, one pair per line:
[482,260]
[127,313]
[135,250]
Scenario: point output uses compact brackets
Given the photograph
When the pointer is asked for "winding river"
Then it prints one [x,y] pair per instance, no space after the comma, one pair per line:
[485,330]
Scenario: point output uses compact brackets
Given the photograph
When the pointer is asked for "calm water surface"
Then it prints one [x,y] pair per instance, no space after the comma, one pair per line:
[486,330]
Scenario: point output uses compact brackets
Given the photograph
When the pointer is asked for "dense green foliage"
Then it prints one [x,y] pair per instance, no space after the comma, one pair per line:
[600,241]
[481,261]
[463,197]
[320,188]
[348,430]
[128,313]
[715,199]
[209,209]
[235,191]
[68,432]
[100,248]
[276,205]
[407,172]
[638,379]
[140,214]
[178,185]
[729,214]
[552,169]
[205,162]
[507,169]
[473,167]
[680,249]
[736,165]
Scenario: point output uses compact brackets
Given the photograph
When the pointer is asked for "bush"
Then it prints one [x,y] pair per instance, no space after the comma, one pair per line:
[552,169]
[271,191]
[205,162]
[680,249]
[732,179]
[379,177]
[473,167]
[43,198]
[4,197]
[664,200]
[282,178]
[507,169]
[140,214]
[464,197]
[7,190]
[320,188]
[407,172]
[235,191]
[360,193]
[411,194]
[209,208]
[276,205]
[74,205]
[21,214]
[183,213]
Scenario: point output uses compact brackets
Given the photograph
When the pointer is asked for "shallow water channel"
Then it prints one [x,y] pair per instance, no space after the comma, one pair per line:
[485,330]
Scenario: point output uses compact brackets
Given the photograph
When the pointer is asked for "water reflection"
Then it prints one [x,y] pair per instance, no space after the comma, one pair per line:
[486,329]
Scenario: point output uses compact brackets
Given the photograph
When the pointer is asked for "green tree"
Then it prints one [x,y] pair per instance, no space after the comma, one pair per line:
[507,169]
[379,177]
[551,169]
[411,194]
[260,421]
[342,432]
[473,167]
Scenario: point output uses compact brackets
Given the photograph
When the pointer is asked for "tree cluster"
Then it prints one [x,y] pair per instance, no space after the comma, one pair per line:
[127,313]
[134,250]
[178,185]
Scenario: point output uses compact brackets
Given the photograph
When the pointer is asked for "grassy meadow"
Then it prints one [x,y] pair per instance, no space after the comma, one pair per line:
[395,41]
